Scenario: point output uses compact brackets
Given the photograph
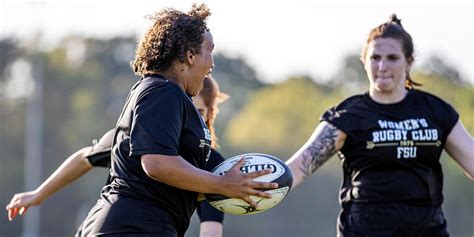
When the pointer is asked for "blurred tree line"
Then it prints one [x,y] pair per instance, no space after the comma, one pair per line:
[85,84]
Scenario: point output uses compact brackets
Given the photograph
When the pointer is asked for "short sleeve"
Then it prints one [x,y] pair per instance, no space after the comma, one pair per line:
[157,122]
[347,115]
[100,154]
[338,117]
[207,212]
[450,117]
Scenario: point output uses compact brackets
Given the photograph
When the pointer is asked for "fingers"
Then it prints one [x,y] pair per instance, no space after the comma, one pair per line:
[16,206]
[262,194]
[12,213]
[22,210]
[239,163]
[261,184]
[264,185]
[255,193]
[14,203]
[248,186]
[251,202]
[256,174]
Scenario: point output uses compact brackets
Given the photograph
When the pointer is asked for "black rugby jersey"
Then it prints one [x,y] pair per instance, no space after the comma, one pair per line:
[100,157]
[392,151]
[158,118]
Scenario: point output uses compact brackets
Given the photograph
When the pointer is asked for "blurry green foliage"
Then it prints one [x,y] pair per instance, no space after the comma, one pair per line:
[86,82]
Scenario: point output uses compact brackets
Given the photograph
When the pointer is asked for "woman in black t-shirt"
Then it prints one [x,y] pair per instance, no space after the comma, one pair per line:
[389,141]
[161,143]
[98,155]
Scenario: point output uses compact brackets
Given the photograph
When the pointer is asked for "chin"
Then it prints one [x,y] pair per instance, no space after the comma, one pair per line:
[384,85]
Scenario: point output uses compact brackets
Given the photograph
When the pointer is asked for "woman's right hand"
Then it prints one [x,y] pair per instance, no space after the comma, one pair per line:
[21,202]
[236,184]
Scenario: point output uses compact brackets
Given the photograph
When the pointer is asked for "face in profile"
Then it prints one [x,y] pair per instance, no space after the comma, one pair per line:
[202,64]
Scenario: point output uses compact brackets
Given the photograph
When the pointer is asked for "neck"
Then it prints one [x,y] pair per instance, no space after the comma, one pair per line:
[172,76]
[388,97]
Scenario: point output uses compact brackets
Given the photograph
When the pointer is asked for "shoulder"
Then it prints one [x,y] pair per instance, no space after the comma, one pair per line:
[350,105]
[417,93]
[348,114]
[430,100]
[438,109]
[160,89]
[352,101]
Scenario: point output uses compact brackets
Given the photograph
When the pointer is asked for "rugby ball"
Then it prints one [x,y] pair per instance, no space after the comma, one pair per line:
[280,174]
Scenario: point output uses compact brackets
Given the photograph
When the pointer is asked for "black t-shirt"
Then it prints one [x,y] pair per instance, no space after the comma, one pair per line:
[158,118]
[100,157]
[392,151]
[100,153]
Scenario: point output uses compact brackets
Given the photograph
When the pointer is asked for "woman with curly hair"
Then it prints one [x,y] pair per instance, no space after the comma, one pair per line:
[98,155]
[161,143]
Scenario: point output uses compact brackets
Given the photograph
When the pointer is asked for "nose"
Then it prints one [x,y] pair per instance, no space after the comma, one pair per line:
[382,65]
[212,67]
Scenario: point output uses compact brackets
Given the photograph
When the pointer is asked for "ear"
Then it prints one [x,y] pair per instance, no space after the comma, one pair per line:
[190,57]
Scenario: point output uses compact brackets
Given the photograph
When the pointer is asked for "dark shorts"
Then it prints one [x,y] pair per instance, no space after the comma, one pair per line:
[391,219]
[127,217]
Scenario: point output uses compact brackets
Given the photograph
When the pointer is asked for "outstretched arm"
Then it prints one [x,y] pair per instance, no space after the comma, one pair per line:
[325,141]
[459,146]
[71,169]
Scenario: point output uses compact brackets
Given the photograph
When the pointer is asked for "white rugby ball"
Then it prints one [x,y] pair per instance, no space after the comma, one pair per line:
[280,174]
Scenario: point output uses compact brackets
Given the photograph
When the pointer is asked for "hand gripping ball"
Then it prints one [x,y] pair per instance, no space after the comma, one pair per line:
[280,174]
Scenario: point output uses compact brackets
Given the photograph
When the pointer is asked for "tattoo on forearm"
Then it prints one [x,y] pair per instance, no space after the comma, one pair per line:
[318,152]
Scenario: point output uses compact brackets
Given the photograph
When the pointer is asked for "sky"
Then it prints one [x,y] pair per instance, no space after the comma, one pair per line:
[278,38]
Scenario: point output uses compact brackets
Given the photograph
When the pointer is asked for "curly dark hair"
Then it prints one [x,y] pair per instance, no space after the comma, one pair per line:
[393,29]
[171,36]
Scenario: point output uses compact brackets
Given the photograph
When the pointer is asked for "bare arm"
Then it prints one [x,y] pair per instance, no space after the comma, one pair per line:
[460,146]
[325,141]
[71,169]
[177,172]
[210,229]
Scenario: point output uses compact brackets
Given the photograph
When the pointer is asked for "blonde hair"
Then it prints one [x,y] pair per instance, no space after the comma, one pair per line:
[212,96]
